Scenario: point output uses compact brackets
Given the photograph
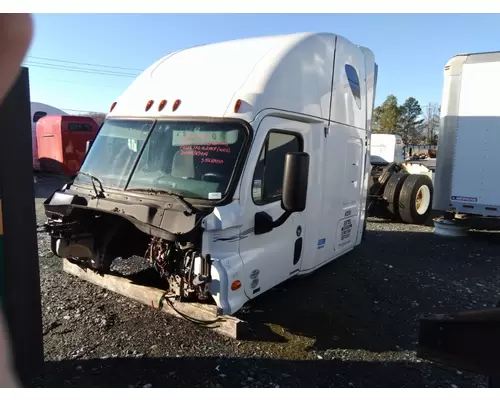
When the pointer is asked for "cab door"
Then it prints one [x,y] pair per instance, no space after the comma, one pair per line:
[272,257]
[347,226]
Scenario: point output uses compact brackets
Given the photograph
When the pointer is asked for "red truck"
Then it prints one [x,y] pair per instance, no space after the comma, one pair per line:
[62,141]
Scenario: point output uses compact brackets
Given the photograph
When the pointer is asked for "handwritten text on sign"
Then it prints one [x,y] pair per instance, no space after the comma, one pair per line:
[207,152]
[211,146]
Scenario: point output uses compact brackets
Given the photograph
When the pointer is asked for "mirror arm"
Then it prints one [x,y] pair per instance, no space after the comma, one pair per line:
[282,219]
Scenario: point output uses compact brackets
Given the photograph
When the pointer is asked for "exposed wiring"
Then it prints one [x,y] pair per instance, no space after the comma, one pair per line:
[166,297]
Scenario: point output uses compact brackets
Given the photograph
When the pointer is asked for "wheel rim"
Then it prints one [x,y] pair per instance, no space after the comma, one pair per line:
[423,199]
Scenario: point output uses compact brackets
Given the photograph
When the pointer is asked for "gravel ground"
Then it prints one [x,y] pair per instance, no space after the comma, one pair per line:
[351,324]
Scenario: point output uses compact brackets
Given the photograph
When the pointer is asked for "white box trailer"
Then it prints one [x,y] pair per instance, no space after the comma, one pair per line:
[233,166]
[468,158]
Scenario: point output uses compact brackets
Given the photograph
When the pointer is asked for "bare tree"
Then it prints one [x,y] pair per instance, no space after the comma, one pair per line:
[431,124]
[97,117]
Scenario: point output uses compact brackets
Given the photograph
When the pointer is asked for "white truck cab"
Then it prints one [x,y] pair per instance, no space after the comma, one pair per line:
[233,166]
[387,148]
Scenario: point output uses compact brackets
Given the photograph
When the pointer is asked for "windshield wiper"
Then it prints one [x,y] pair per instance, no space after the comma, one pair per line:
[187,206]
[93,179]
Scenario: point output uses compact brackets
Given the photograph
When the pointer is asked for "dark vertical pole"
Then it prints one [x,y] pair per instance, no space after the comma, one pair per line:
[19,274]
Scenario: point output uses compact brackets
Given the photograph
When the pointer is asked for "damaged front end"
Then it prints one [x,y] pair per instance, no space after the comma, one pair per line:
[92,231]
[183,266]
[143,190]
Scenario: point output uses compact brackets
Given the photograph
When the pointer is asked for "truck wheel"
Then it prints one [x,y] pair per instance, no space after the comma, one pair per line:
[415,199]
[392,192]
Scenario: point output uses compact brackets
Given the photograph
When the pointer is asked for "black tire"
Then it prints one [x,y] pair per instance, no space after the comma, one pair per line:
[392,192]
[408,199]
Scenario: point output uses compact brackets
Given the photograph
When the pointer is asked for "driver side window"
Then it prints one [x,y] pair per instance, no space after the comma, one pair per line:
[268,176]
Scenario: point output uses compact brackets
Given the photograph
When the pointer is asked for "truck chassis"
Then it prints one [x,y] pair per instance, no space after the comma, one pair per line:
[401,192]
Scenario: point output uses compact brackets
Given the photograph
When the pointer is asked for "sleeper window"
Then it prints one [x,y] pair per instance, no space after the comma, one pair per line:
[37,115]
[268,175]
[352,78]
[75,127]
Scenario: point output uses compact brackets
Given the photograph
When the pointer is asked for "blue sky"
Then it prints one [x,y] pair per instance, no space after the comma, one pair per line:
[411,49]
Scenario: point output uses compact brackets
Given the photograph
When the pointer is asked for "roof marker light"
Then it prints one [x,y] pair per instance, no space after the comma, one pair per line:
[112,106]
[149,104]
[176,105]
[162,105]
[237,105]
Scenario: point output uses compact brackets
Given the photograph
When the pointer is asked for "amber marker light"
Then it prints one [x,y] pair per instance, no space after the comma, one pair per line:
[237,105]
[176,105]
[162,105]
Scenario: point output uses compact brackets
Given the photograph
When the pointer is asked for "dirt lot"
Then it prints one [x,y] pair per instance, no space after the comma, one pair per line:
[350,324]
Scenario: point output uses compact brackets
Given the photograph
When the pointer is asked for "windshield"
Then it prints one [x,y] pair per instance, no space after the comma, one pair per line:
[190,158]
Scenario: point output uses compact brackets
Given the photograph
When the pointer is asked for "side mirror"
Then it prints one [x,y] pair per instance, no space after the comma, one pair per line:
[88,145]
[295,181]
